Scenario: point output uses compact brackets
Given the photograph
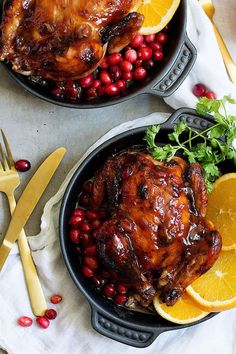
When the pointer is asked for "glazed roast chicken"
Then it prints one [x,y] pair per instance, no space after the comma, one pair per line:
[156,237]
[65,39]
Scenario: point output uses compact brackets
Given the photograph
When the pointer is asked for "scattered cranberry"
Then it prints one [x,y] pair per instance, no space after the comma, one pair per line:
[71,89]
[96,84]
[85,199]
[100,91]
[25,321]
[75,221]
[95,224]
[126,66]
[149,38]
[104,64]
[79,212]
[120,299]
[22,165]
[51,314]
[75,235]
[86,227]
[91,262]
[97,281]
[131,55]
[88,186]
[109,290]
[114,58]
[136,41]
[58,93]
[105,77]
[199,90]
[155,46]
[43,322]
[145,53]
[90,250]
[87,271]
[91,215]
[115,72]
[161,37]
[86,239]
[122,288]
[87,81]
[138,63]
[210,95]
[91,93]
[140,73]
[56,299]
[157,55]
[149,64]
[111,90]
[121,84]
[127,76]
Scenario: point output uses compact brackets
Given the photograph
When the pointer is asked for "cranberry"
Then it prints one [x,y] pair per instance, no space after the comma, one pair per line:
[155,46]
[115,72]
[58,93]
[43,322]
[121,84]
[122,288]
[90,250]
[199,90]
[75,221]
[149,38]
[114,58]
[85,199]
[161,37]
[74,235]
[25,321]
[51,314]
[88,186]
[22,165]
[91,93]
[138,63]
[86,227]
[96,83]
[126,66]
[91,215]
[97,281]
[79,212]
[136,41]
[149,64]
[111,90]
[71,89]
[131,55]
[105,274]
[145,53]
[157,55]
[120,299]
[127,76]
[140,73]
[109,290]
[91,262]
[95,224]
[100,91]
[56,299]
[87,81]
[105,78]
[104,63]
[210,95]
[86,239]
[87,272]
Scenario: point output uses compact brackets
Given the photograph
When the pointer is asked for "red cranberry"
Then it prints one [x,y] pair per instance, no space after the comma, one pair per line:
[22,165]
[75,221]
[85,199]
[140,73]
[91,262]
[138,63]
[114,58]
[136,41]
[71,89]
[25,321]
[95,224]
[126,66]
[109,290]
[105,77]
[145,53]
[56,299]
[149,64]
[51,314]
[86,227]
[120,299]
[97,281]
[155,46]
[91,93]
[100,91]
[131,55]
[157,55]
[149,38]
[43,322]
[121,84]
[122,288]
[87,81]
[199,90]
[91,215]
[96,83]
[104,63]
[86,239]
[87,272]
[79,212]
[210,95]
[161,37]
[74,235]
[90,250]
[127,76]
[115,72]
[58,93]
[111,90]
[88,186]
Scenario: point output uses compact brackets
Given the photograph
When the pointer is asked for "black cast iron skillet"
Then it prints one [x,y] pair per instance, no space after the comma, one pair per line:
[179,58]
[132,328]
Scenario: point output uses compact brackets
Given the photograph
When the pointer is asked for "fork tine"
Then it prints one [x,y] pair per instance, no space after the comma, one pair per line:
[8,150]
[1,168]
[4,160]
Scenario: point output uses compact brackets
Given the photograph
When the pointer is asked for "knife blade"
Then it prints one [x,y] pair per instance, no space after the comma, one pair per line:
[29,200]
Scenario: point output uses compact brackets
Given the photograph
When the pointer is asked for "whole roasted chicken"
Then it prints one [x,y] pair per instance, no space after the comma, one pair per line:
[65,39]
[156,237]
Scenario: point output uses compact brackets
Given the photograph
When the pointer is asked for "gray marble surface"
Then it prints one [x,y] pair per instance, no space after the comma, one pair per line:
[35,128]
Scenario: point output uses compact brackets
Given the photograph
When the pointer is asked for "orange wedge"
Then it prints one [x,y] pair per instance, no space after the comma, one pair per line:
[157,13]
[216,289]
[221,209]
[183,312]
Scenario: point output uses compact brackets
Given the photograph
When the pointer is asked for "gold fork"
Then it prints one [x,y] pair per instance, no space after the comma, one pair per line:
[9,181]
[209,9]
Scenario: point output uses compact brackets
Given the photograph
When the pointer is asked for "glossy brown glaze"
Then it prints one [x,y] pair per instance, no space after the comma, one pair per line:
[64,39]
[156,237]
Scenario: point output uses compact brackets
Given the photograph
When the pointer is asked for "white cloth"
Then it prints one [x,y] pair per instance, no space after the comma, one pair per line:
[71,332]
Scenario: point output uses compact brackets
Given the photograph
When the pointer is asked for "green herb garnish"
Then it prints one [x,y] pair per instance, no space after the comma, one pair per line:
[215,144]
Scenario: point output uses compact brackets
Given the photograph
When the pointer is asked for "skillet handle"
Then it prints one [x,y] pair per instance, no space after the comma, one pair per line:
[180,69]
[124,334]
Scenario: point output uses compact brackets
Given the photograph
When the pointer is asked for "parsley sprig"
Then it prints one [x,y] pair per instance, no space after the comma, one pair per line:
[214,144]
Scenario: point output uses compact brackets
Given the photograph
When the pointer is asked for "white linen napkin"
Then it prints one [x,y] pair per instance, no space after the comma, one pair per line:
[71,332]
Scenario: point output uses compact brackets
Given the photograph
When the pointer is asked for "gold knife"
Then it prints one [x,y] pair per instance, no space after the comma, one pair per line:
[29,200]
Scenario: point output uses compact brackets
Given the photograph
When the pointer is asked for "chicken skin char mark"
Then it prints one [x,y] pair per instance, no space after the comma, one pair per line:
[156,237]
[65,39]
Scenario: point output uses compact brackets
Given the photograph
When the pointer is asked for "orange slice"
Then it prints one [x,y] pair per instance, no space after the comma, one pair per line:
[221,209]
[216,289]
[183,312]
[157,13]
